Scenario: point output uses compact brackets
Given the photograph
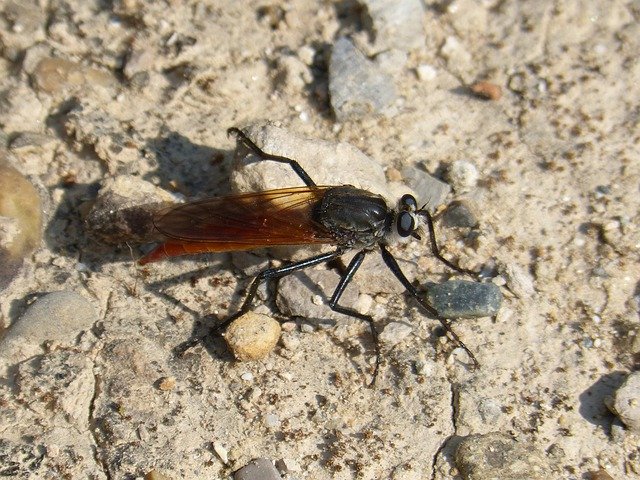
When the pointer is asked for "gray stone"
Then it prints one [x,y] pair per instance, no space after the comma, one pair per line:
[258,469]
[459,214]
[464,299]
[306,294]
[394,333]
[57,317]
[357,86]
[429,190]
[496,455]
[396,23]
[327,163]
[626,402]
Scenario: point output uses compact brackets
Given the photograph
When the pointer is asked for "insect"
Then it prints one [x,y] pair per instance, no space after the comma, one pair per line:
[346,217]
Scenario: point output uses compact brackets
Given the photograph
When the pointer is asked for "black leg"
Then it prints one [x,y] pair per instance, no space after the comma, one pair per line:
[436,251]
[333,304]
[271,273]
[246,141]
[265,275]
[395,268]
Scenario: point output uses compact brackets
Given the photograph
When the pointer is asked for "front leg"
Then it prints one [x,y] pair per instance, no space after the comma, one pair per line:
[248,143]
[392,263]
[435,250]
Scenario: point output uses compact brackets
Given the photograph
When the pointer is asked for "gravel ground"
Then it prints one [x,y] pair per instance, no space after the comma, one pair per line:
[525,115]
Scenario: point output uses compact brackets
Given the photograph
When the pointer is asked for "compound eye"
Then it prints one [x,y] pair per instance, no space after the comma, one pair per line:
[406,224]
[408,202]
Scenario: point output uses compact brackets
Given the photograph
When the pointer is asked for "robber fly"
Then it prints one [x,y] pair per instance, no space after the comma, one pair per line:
[344,216]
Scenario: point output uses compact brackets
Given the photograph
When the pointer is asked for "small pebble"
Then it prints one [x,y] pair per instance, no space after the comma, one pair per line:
[464,299]
[258,469]
[487,90]
[426,73]
[53,450]
[496,455]
[462,175]
[455,53]
[222,452]
[500,281]
[55,75]
[287,465]
[254,394]
[490,410]
[271,420]
[307,53]
[518,280]
[394,333]
[252,336]
[288,326]
[459,214]
[428,188]
[290,341]
[167,384]
[306,327]
[139,60]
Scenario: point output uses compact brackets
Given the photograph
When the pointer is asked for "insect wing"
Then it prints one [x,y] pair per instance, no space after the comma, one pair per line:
[252,220]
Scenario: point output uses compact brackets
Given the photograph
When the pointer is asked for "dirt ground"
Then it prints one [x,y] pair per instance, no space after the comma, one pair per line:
[143,92]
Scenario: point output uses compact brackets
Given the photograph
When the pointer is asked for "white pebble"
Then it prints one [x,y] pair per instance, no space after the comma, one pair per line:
[426,72]
[222,452]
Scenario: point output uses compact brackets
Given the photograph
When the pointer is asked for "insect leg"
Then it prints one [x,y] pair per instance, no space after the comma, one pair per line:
[246,141]
[333,304]
[395,268]
[436,251]
[271,273]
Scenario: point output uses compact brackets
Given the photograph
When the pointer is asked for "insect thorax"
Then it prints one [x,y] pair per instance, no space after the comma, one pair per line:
[355,217]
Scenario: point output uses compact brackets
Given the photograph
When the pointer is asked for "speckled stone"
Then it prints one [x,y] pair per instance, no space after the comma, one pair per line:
[464,299]
[252,336]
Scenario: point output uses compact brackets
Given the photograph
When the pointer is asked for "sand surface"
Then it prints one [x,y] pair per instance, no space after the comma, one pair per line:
[92,92]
